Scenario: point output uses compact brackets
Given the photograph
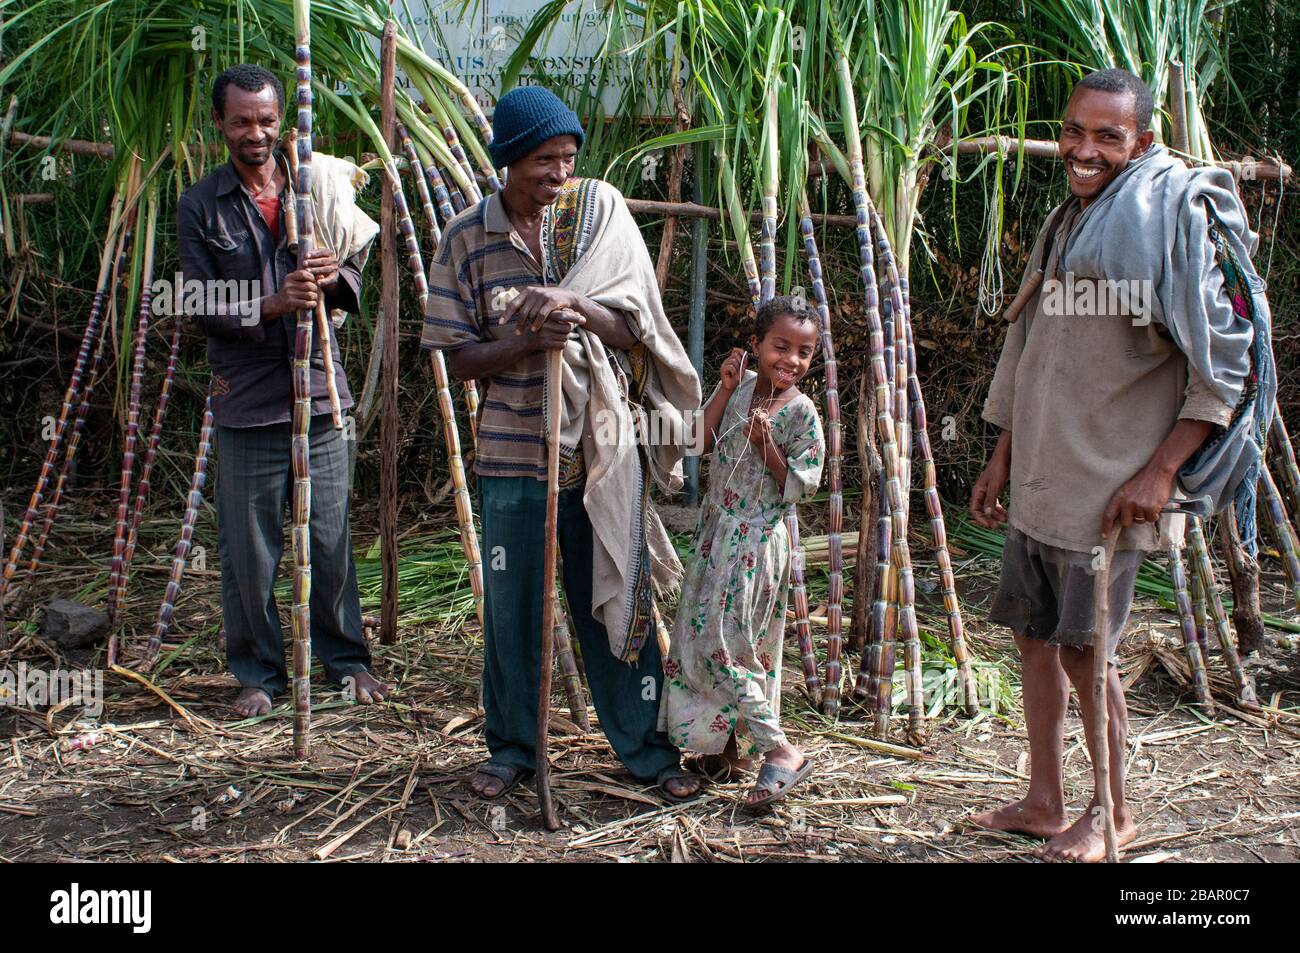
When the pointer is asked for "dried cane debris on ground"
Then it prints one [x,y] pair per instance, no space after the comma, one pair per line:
[164,774]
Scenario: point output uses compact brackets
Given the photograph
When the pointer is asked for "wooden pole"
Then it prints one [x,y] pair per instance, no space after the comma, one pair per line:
[1101,711]
[1178,106]
[695,327]
[388,361]
[554,410]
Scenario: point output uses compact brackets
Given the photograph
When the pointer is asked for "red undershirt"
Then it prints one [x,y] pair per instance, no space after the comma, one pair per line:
[270,209]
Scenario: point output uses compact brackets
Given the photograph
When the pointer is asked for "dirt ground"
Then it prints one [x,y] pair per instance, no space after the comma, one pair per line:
[171,776]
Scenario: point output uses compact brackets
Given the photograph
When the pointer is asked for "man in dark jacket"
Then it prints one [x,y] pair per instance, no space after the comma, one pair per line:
[232,229]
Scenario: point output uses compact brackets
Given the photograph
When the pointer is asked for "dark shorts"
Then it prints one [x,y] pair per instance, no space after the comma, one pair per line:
[1045,592]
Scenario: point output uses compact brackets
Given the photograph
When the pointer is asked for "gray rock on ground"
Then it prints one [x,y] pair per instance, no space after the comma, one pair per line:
[71,625]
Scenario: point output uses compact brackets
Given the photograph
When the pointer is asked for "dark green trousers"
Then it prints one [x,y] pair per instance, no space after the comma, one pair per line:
[626,696]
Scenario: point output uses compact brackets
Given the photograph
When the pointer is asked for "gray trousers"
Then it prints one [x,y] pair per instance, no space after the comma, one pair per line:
[254,487]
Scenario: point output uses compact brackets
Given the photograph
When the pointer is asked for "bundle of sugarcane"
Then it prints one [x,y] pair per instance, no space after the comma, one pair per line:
[106,264]
[117,584]
[873,658]
[451,433]
[301,505]
[421,185]
[83,408]
[901,306]
[193,500]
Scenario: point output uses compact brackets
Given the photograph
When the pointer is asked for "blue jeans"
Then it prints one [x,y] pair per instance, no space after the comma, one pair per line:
[626,696]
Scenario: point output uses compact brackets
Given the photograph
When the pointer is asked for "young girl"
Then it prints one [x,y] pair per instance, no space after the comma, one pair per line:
[722,692]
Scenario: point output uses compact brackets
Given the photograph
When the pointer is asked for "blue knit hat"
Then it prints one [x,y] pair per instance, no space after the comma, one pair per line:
[526,117]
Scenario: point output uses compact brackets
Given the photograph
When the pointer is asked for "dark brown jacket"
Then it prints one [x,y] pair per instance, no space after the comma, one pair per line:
[223,236]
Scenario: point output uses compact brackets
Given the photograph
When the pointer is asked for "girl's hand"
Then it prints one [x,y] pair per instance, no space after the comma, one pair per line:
[759,431]
[733,369]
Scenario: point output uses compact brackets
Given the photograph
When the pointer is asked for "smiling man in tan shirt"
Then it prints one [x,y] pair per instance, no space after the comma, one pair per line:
[1098,409]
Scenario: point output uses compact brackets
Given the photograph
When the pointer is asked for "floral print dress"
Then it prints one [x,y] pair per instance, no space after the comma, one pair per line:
[723,670]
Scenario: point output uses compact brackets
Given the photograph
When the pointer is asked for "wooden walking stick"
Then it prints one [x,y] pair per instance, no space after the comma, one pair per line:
[1101,711]
[554,367]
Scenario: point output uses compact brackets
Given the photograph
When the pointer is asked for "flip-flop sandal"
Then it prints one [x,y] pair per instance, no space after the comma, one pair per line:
[507,774]
[778,782]
[672,774]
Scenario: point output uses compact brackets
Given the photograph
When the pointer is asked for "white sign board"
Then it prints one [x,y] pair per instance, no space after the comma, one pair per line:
[476,40]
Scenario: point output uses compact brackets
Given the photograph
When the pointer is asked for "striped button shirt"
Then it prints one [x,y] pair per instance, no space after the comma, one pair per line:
[479,260]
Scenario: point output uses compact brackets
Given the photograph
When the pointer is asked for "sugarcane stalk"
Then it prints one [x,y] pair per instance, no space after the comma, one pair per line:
[1243,574]
[301,613]
[116,585]
[1101,698]
[1284,454]
[1287,546]
[865,569]
[1201,557]
[570,678]
[834,456]
[554,396]
[1187,627]
[938,530]
[390,297]
[106,263]
[1200,615]
[151,453]
[181,552]
[324,329]
[441,196]
[767,234]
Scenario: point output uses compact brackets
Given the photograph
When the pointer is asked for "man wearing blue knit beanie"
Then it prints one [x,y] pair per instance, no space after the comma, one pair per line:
[554,262]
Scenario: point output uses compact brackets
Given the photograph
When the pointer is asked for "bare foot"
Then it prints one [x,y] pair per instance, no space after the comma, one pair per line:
[494,781]
[486,785]
[1023,817]
[787,756]
[1084,842]
[252,702]
[367,688]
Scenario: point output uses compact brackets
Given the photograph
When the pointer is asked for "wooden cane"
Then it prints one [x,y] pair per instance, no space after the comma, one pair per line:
[554,365]
[1101,711]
